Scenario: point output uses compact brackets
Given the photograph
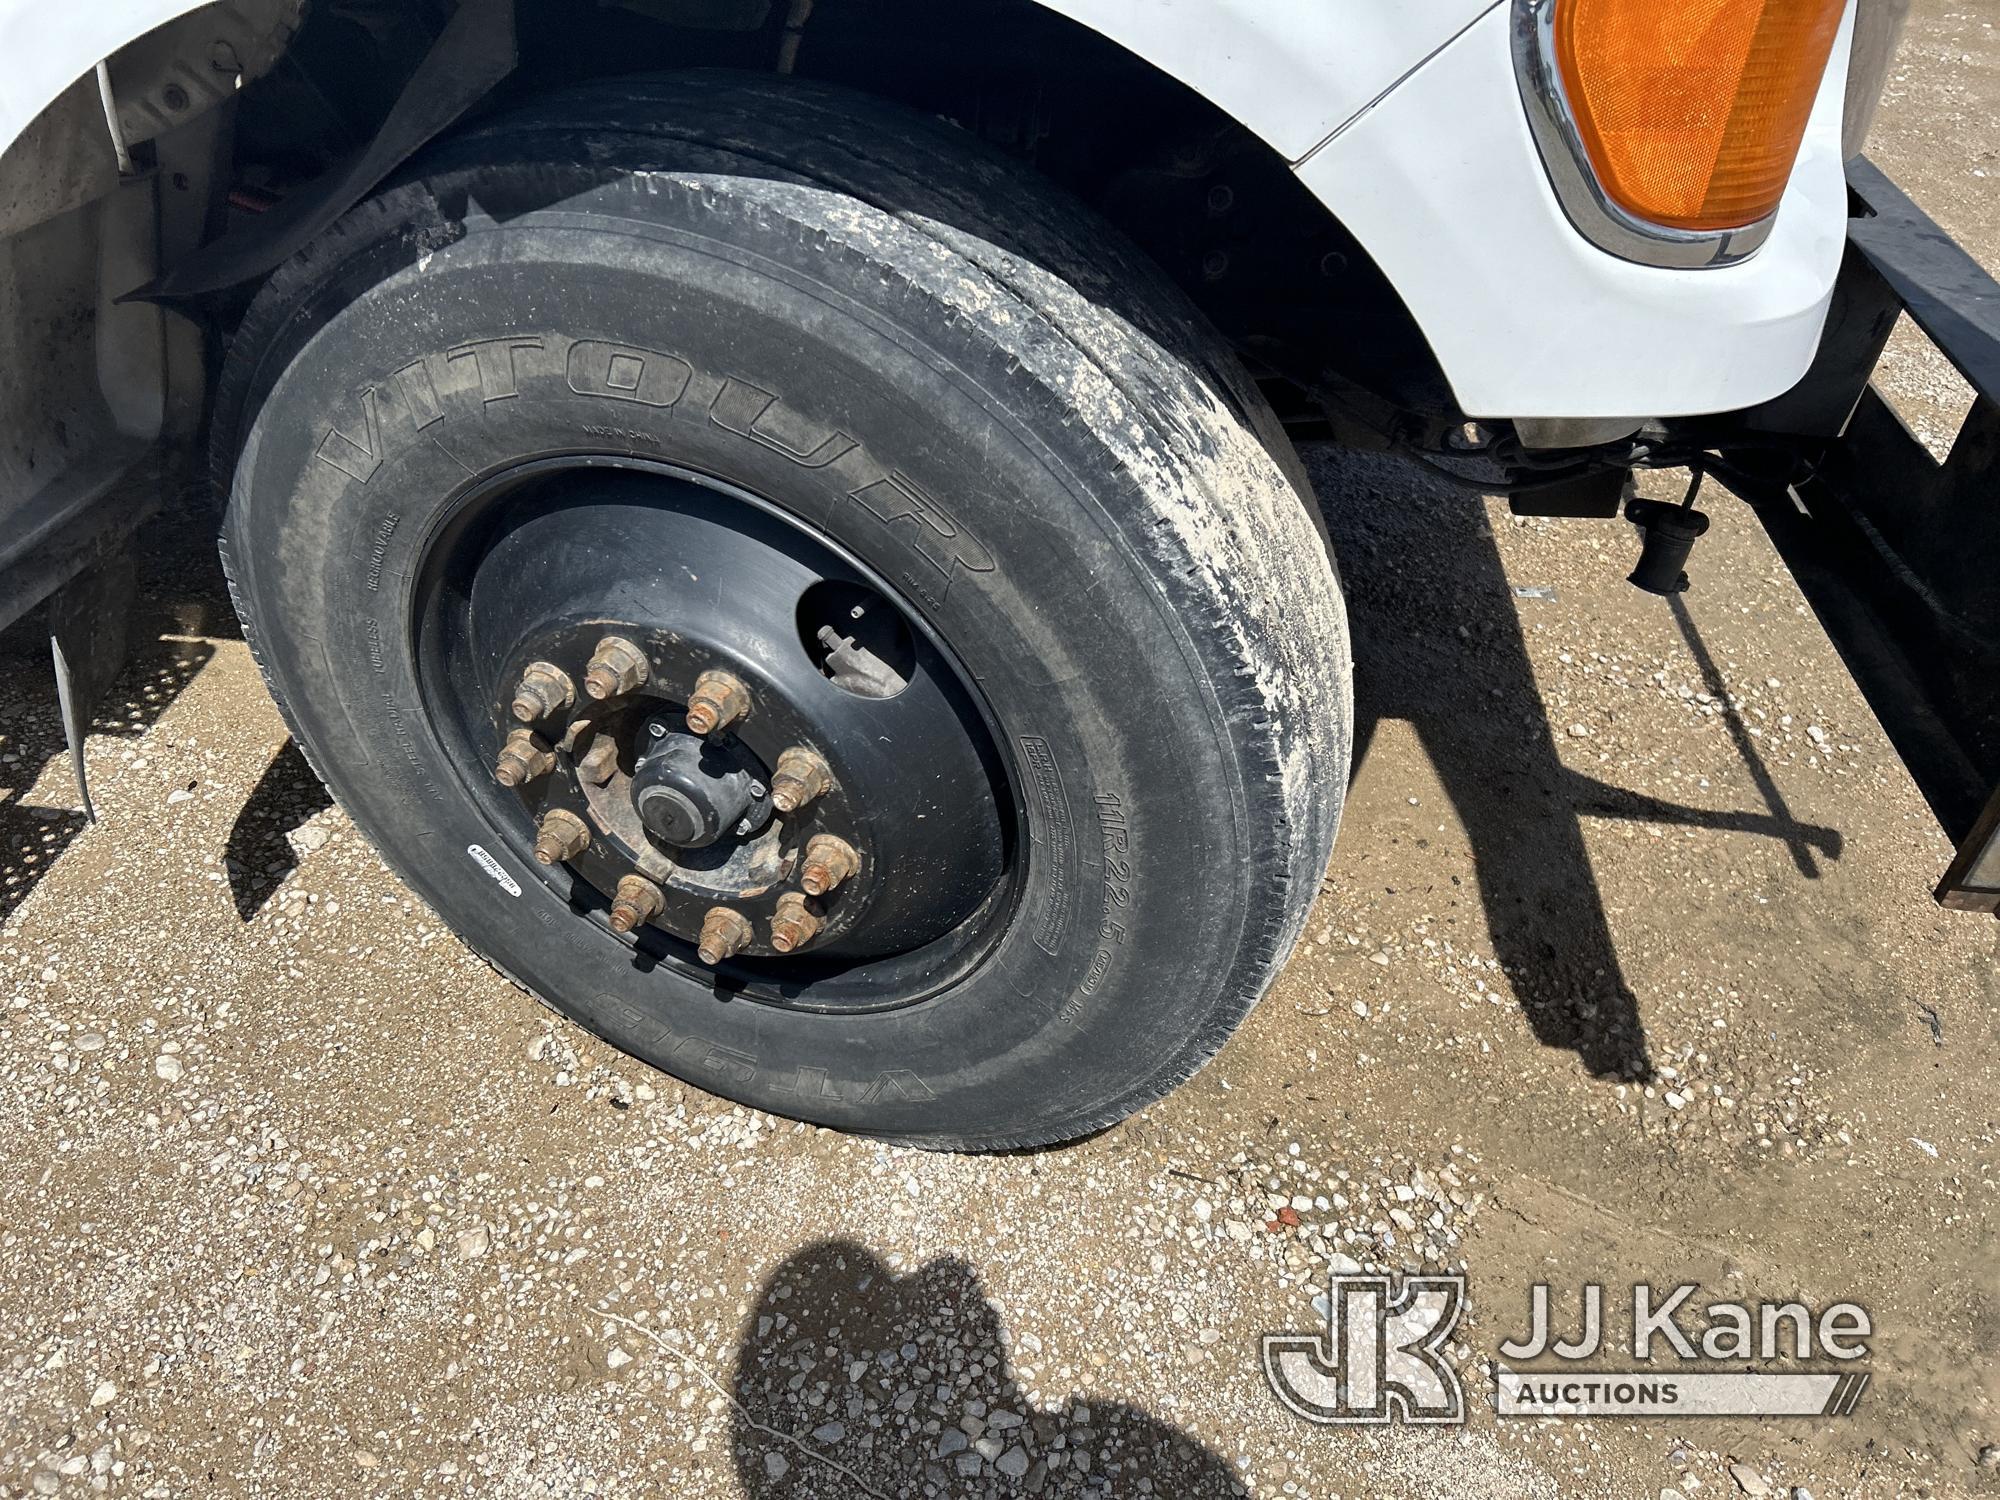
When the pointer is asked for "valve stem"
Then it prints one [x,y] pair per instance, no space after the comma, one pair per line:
[639,901]
[525,756]
[616,667]
[719,700]
[561,836]
[793,924]
[725,932]
[829,861]
[800,776]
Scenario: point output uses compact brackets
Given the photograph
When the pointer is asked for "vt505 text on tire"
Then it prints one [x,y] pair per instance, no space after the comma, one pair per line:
[765,379]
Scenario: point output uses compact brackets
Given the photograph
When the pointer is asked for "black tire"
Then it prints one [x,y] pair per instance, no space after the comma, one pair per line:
[1126,570]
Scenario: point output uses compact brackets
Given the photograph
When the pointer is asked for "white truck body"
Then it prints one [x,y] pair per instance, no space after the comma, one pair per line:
[1408,123]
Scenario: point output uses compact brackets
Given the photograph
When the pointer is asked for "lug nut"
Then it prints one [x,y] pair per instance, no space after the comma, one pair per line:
[725,932]
[617,666]
[794,924]
[719,700]
[562,835]
[829,861]
[525,756]
[545,690]
[639,901]
[597,763]
[801,776]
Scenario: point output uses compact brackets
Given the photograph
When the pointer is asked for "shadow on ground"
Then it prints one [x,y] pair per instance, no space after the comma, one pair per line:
[181,598]
[259,855]
[1438,645]
[929,1350]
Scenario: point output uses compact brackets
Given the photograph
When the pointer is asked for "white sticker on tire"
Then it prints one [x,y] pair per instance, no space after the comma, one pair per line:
[491,866]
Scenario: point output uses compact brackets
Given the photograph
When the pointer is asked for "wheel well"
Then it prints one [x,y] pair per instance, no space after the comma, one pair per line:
[1217,208]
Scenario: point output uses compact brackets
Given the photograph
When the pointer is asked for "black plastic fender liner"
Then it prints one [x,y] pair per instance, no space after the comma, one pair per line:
[473,54]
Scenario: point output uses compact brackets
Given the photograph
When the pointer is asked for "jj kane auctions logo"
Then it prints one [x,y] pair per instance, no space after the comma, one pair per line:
[1380,1357]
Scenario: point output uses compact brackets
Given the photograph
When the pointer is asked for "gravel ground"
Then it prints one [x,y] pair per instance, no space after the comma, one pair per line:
[303,1199]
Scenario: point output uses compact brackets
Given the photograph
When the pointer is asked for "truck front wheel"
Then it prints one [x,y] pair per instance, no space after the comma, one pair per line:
[800,596]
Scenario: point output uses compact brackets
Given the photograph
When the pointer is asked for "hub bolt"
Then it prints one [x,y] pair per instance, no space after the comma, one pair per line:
[794,924]
[597,763]
[829,861]
[525,756]
[725,932]
[639,901]
[719,700]
[616,667]
[561,836]
[545,690]
[801,776]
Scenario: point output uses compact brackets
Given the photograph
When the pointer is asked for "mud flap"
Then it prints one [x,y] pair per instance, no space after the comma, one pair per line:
[73,548]
[88,621]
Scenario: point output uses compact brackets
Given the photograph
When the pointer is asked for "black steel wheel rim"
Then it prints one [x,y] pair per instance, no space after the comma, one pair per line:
[543,562]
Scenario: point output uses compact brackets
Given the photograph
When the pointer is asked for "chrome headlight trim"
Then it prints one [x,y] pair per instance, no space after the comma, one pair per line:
[1596,217]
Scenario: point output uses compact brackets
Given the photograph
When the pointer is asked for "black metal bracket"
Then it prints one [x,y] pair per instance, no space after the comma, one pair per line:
[1899,554]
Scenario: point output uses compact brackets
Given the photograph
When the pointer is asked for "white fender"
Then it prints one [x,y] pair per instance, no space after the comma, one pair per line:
[1292,71]
[46,45]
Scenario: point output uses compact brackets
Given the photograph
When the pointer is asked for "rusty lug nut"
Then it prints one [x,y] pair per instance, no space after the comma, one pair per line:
[525,756]
[793,924]
[801,776]
[639,901]
[719,700]
[545,690]
[725,932]
[562,835]
[597,763]
[617,666]
[829,861]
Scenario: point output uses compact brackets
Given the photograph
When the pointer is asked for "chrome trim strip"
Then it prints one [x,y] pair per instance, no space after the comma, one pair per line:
[1583,199]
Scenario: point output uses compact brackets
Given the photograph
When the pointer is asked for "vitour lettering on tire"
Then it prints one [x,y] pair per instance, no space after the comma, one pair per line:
[856,603]
[646,377]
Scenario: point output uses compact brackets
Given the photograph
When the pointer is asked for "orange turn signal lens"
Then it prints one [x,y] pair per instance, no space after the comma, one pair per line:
[1692,110]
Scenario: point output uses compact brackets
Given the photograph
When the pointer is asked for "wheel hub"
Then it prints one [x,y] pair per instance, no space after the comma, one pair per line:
[773,768]
[689,791]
